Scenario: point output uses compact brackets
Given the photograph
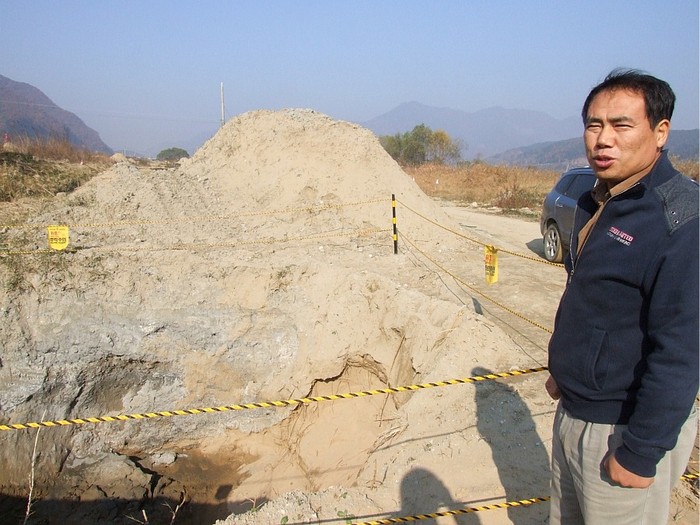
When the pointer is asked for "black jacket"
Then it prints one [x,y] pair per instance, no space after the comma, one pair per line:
[625,343]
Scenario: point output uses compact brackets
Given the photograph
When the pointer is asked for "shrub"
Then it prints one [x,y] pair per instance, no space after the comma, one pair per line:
[422,145]
[173,154]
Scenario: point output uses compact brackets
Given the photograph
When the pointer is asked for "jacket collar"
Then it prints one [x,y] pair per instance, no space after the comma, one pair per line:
[662,171]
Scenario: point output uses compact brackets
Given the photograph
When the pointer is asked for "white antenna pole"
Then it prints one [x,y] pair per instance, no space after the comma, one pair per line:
[223,118]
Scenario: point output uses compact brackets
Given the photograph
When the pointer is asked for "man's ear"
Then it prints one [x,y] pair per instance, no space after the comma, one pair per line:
[661,131]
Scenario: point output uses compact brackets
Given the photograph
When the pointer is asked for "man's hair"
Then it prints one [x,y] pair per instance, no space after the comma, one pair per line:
[659,98]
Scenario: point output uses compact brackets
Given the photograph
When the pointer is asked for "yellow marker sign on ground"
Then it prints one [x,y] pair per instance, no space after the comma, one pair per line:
[491,264]
[58,237]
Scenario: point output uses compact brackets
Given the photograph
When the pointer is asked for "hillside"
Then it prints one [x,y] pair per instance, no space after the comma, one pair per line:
[26,111]
[563,154]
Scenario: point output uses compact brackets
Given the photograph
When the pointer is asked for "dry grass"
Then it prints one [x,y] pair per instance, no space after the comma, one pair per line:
[687,167]
[43,168]
[507,187]
[54,149]
[511,188]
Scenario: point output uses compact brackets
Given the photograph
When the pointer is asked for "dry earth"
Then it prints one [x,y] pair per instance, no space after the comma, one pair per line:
[262,269]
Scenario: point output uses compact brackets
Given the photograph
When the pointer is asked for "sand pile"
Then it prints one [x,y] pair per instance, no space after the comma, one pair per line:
[260,269]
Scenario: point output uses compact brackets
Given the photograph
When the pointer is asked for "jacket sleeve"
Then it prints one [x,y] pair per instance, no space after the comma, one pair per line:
[669,383]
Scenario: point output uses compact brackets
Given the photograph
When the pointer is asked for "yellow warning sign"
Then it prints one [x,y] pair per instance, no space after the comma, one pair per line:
[491,264]
[58,237]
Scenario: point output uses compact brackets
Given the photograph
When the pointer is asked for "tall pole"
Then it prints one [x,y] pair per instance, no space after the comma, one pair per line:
[222,105]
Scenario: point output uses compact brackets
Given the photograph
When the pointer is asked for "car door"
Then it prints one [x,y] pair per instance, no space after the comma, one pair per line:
[566,203]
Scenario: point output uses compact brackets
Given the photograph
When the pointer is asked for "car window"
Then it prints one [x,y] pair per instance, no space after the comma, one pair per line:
[582,183]
[563,184]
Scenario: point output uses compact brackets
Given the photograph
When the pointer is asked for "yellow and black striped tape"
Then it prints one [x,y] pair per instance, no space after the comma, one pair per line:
[456,512]
[470,510]
[265,404]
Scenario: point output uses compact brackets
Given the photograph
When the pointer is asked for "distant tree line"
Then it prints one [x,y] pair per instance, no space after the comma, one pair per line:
[173,154]
[422,145]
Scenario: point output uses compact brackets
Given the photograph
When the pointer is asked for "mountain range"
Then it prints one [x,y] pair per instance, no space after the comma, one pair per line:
[511,136]
[485,132]
[495,135]
[563,154]
[25,111]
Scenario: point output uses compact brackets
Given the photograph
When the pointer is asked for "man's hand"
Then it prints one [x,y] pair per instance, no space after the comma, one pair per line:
[552,388]
[624,477]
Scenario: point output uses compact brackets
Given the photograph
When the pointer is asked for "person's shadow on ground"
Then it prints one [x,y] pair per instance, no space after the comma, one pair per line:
[422,492]
[505,422]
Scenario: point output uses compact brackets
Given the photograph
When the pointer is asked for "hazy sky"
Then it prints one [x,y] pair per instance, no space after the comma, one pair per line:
[146,73]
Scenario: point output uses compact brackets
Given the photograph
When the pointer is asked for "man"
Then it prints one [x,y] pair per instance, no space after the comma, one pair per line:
[623,357]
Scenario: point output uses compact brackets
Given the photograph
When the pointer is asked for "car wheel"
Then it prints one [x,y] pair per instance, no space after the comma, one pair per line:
[551,242]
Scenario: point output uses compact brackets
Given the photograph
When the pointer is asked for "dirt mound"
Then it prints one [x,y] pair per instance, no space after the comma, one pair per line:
[260,269]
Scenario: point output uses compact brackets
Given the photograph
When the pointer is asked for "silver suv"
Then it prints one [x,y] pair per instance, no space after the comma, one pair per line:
[557,217]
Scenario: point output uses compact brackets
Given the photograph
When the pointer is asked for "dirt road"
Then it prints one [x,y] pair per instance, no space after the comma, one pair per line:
[527,285]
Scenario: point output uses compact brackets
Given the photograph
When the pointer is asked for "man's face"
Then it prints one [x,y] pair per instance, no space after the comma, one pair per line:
[620,142]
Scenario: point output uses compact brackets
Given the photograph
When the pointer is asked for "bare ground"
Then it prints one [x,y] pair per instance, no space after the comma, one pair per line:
[157,309]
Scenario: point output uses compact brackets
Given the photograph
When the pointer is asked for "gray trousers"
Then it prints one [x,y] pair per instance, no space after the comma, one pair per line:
[582,493]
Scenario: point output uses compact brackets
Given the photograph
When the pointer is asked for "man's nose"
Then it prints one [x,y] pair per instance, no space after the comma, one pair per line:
[605,137]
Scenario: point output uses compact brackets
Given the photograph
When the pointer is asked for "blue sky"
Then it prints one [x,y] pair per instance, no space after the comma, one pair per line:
[147,73]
